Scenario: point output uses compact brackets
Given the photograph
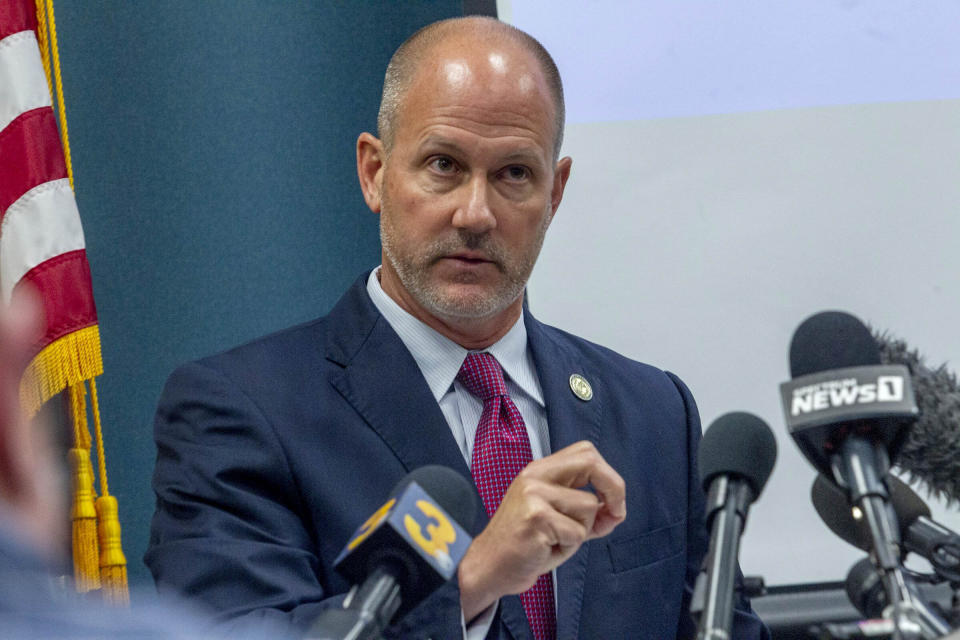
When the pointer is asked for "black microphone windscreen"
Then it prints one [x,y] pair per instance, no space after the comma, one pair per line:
[908,505]
[835,510]
[833,506]
[454,493]
[739,444]
[931,451]
[865,590]
[831,340]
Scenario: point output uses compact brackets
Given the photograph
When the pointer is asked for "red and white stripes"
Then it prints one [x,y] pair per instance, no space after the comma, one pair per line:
[41,238]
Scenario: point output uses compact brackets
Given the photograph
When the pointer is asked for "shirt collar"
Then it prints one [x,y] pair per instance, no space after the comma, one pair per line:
[439,358]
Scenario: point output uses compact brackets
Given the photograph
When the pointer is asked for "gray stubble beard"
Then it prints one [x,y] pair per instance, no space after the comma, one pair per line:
[415,278]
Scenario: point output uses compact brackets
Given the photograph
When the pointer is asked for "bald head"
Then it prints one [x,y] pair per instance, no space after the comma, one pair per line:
[414,54]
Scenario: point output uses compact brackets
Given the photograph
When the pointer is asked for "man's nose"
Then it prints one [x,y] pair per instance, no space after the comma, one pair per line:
[473,211]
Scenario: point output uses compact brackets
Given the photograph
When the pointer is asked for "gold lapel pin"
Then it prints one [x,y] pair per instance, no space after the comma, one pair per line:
[580,387]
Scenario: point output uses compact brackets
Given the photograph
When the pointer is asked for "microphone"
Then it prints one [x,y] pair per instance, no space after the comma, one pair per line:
[921,534]
[736,457]
[866,593]
[865,590]
[931,452]
[848,414]
[840,392]
[403,552]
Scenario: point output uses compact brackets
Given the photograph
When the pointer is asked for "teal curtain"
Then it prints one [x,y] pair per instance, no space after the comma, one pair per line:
[213,153]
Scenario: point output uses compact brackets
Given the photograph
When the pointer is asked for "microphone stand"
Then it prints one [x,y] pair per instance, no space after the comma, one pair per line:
[860,466]
[712,601]
[366,612]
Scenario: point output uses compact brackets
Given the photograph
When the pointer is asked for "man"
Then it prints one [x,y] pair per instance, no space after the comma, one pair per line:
[270,455]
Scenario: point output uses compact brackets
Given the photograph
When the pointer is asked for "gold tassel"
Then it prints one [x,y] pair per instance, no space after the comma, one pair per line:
[83,514]
[113,564]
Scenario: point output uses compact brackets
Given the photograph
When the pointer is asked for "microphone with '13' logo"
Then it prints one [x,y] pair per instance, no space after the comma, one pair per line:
[402,553]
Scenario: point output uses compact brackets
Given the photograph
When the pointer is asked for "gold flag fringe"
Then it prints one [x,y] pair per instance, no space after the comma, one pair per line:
[63,363]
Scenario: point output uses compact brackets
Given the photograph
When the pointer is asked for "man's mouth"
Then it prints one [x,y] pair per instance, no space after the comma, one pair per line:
[468,257]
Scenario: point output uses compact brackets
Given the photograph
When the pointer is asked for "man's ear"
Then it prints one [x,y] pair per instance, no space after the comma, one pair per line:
[370,161]
[560,176]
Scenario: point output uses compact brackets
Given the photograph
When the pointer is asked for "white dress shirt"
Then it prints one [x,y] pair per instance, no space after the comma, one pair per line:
[439,360]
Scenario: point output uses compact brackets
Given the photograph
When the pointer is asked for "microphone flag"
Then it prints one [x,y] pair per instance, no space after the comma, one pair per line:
[814,404]
[433,543]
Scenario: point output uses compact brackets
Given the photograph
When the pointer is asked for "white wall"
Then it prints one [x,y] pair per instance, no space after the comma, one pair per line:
[698,243]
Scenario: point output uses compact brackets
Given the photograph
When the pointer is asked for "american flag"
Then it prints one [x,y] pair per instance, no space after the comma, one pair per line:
[41,239]
[42,247]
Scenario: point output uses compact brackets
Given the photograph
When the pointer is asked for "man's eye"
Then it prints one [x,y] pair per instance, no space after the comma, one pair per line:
[516,172]
[443,164]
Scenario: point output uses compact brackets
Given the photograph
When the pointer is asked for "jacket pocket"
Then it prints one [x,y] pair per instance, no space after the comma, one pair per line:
[640,549]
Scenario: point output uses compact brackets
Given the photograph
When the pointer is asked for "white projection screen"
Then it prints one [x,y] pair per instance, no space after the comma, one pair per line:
[737,167]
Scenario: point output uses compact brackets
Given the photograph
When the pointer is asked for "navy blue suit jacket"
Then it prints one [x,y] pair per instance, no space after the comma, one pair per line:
[271,455]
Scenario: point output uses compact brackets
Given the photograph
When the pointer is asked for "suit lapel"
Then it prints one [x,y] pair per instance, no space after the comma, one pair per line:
[382,382]
[570,420]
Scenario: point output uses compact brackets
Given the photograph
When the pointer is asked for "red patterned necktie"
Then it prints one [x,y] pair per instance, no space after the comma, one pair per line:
[501,449]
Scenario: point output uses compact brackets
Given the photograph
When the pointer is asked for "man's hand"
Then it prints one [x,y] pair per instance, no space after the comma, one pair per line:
[543,519]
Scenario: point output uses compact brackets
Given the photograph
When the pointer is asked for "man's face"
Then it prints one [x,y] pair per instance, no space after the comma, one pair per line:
[469,186]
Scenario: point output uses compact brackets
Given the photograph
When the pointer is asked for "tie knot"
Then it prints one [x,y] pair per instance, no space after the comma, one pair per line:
[482,376]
